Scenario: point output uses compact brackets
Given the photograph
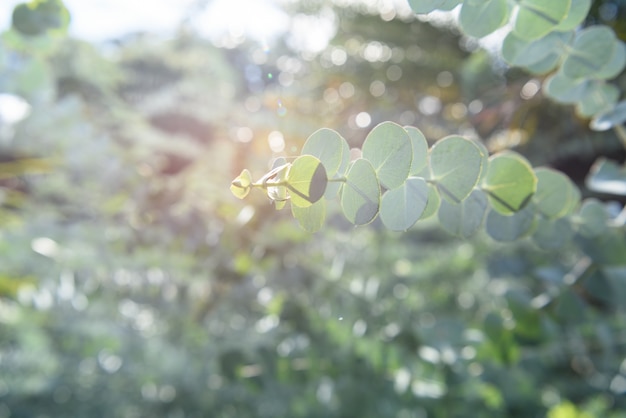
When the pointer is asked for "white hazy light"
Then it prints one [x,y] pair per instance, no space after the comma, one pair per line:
[12,108]
[276,141]
[363,120]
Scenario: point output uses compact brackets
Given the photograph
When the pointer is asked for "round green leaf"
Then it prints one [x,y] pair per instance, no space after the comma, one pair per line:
[593,218]
[311,218]
[552,234]
[401,207]
[577,13]
[609,118]
[537,18]
[554,193]
[330,148]
[563,89]
[388,148]
[465,218]
[521,52]
[420,150]
[334,153]
[427,6]
[360,194]
[456,164]
[306,181]
[599,97]
[616,64]
[434,201]
[590,52]
[481,17]
[510,182]
[509,228]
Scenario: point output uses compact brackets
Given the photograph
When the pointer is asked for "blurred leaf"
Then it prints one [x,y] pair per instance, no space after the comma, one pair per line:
[592,49]
[606,176]
[565,90]
[465,218]
[537,18]
[610,118]
[311,218]
[552,234]
[615,65]
[593,218]
[599,97]
[522,52]
[508,228]
[479,18]
[576,15]
[39,16]
[554,194]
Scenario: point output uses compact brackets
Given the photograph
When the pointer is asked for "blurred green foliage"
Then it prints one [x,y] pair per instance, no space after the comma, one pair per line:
[133,284]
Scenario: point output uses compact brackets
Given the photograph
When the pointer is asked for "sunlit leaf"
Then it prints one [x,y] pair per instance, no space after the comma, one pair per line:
[591,51]
[427,6]
[330,148]
[401,207]
[456,164]
[481,17]
[433,203]
[609,118]
[240,187]
[465,218]
[388,148]
[507,228]
[554,193]
[306,181]
[360,194]
[310,218]
[510,182]
[606,176]
[420,150]
[334,153]
[537,18]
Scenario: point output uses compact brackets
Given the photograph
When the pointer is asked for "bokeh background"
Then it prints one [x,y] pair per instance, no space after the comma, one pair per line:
[133,284]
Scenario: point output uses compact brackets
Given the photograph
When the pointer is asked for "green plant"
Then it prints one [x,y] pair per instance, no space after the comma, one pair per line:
[399,178]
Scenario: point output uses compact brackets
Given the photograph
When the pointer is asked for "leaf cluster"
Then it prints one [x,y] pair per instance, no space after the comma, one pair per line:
[545,39]
[398,178]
